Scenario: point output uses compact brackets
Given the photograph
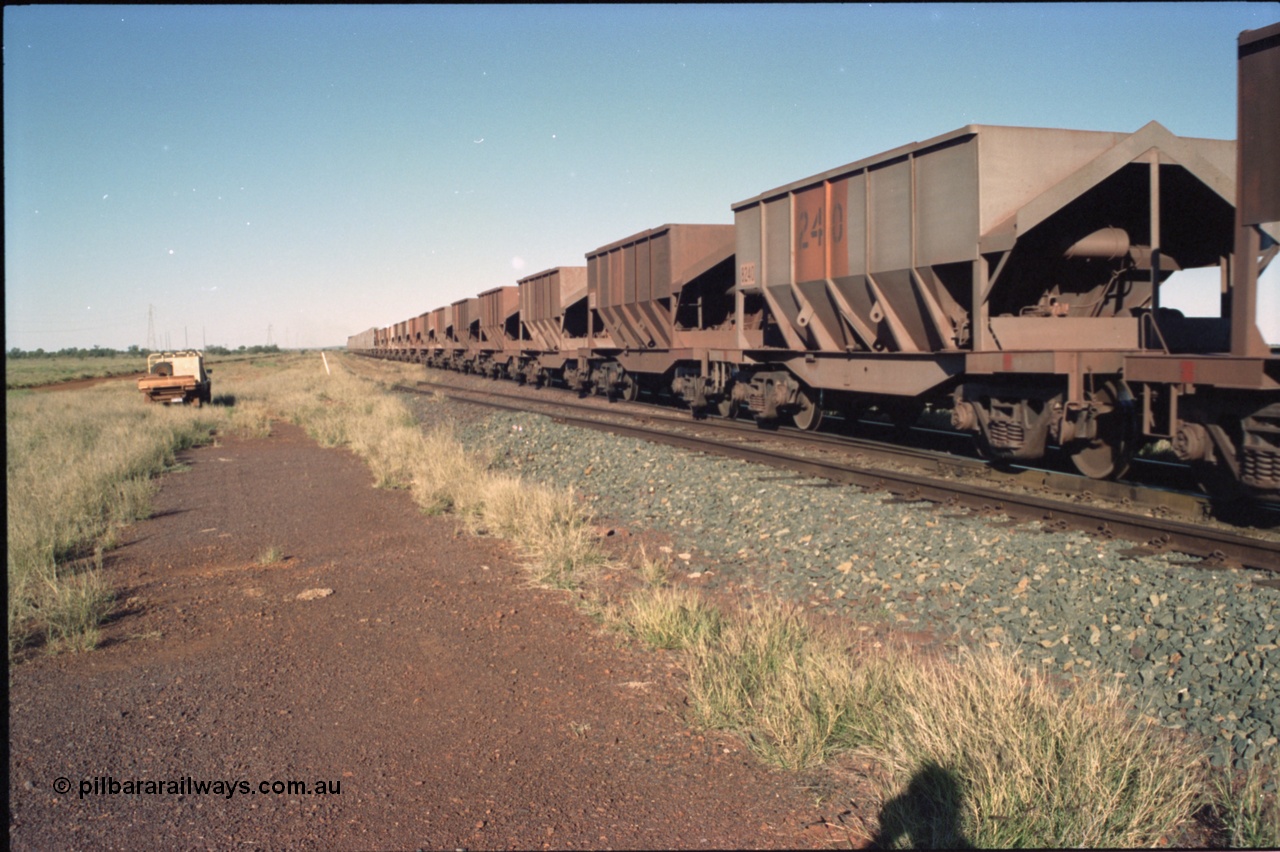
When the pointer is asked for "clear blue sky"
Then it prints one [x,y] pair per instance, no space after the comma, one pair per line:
[319,170]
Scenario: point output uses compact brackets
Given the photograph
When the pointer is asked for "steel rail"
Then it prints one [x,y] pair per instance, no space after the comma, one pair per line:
[1159,534]
[1186,505]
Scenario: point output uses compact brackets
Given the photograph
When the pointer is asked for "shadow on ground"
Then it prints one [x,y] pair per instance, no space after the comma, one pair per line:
[926,814]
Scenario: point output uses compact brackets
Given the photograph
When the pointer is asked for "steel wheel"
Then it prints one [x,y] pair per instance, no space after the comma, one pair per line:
[1108,455]
[809,416]
[630,389]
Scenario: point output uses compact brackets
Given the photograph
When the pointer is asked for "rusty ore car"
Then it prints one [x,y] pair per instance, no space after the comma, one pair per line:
[1010,274]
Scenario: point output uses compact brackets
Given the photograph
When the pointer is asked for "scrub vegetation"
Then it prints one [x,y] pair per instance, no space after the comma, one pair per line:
[977,750]
[29,370]
[79,468]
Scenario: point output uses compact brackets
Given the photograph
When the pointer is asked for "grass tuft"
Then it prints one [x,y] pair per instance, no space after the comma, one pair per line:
[653,572]
[763,673]
[73,609]
[672,618]
[1250,816]
[1034,765]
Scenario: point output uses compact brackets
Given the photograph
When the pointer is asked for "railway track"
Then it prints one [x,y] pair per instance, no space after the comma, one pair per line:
[910,474]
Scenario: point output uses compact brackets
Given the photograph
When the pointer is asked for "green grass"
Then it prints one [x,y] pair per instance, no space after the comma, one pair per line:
[33,372]
[1250,817]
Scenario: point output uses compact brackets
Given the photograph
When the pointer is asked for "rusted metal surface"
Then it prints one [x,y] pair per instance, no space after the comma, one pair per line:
[554,309]
[437,325]
[638,282]
[418,332]
[500,319]
[1258,177]
[465,322]
[365,341]
[890,254]
[1012,273]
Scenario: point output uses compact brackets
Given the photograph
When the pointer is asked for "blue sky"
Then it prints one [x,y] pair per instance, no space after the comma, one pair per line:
[309,172]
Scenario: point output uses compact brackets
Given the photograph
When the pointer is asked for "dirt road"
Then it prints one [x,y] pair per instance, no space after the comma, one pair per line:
[438,701]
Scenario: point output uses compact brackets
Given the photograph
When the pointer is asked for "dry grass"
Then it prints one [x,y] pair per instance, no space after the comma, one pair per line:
[550,526]
[34,372]
[79,468]
[1029,764]
[978,752]
[671,618]
[73,607]
[794,695]
[653,571]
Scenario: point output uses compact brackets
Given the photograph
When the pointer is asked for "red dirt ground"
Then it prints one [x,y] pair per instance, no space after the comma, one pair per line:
[455,706]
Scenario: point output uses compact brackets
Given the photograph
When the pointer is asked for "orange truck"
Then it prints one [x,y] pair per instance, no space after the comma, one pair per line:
[176,377]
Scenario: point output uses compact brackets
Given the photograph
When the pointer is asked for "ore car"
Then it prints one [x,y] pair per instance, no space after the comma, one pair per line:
[1010,274]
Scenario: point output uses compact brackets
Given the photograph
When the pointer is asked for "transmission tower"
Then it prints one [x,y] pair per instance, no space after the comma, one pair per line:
[151,327]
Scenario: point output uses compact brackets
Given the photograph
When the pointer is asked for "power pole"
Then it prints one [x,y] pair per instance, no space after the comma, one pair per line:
[186,341]
[269,327]
[151,327]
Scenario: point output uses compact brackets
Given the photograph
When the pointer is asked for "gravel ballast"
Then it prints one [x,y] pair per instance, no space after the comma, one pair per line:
[1198,646]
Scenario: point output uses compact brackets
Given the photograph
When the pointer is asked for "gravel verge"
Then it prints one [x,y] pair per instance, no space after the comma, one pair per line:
[1197,646]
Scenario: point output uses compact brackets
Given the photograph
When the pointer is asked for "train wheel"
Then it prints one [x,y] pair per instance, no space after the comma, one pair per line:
[629,390]
[809,417]
[1108,455]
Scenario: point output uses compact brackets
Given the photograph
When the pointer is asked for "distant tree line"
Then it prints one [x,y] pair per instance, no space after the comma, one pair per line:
[134,352]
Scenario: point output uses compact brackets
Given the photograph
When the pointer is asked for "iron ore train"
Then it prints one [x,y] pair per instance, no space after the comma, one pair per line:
[1011,274]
